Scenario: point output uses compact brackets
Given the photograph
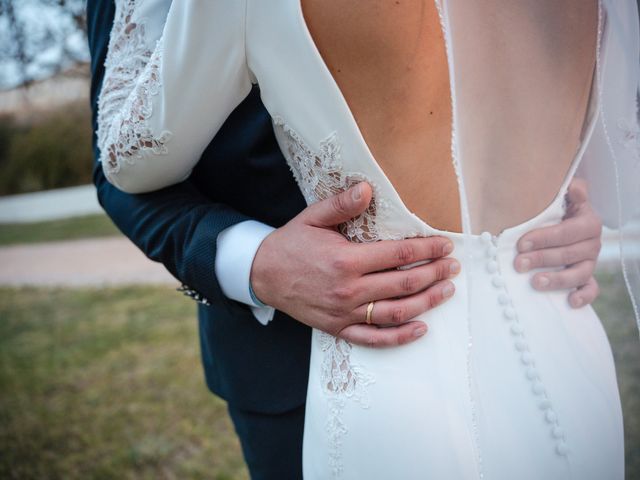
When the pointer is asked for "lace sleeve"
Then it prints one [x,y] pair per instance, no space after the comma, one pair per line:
[173,74]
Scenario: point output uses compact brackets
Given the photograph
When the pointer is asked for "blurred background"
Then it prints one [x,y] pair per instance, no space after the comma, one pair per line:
[100,373]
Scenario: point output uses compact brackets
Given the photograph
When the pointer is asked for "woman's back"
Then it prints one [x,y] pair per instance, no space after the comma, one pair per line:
[378,74]
[390,62]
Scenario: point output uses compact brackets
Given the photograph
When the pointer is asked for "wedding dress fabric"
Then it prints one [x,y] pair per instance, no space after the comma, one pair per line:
[509,382]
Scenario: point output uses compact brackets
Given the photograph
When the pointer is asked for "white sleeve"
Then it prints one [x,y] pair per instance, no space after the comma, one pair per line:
[236,247]
[173,74]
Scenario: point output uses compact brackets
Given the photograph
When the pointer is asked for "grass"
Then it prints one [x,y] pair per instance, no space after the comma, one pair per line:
[66,229]
[107,384]
[614,309]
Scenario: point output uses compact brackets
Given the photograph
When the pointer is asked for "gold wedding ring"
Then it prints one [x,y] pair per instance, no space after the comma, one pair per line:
[369,311]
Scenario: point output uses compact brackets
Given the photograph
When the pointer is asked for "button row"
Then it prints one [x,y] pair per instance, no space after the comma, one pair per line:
[517,330]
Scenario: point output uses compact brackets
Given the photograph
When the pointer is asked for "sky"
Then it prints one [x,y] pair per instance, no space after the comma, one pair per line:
[37,19]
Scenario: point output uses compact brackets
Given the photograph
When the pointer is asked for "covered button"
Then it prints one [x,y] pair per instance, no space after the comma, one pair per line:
[551,416]
[538,388]
[516,329]
[561,448]
[492,266]
[503,299]
[526,358]
[544,404]
[521,345]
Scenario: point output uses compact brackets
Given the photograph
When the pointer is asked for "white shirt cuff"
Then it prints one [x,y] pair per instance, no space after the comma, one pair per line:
[236,248]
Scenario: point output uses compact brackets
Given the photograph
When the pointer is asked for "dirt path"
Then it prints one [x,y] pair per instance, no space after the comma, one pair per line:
[113,261]
[85,262]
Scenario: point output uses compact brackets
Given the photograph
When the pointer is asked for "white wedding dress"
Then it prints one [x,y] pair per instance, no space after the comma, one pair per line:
[509,382]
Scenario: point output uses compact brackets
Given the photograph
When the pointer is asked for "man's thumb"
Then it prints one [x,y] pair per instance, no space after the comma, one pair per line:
[340,207]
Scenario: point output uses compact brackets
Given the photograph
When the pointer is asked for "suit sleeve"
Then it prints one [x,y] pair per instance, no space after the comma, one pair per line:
[176,226]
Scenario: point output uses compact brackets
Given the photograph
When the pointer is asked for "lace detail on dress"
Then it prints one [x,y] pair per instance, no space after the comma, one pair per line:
[320,175]
[340,380]
[630,136]
[131,79]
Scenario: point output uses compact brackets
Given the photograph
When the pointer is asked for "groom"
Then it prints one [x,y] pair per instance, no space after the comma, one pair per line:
[240,220]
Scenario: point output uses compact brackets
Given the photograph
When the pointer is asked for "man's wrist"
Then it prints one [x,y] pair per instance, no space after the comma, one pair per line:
[236,248]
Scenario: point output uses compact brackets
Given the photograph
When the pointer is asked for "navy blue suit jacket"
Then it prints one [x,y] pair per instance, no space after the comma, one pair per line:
[242,175]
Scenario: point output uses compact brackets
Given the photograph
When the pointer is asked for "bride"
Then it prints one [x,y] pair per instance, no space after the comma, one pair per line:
[469,122]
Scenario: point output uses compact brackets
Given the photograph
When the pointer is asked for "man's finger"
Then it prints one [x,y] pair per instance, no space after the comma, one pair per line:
[568,232]
[575,276]
[577,192]
[401,310]
[585,295]
[558,256]
[338,208]
[385,254]
[401,283]
[376,337]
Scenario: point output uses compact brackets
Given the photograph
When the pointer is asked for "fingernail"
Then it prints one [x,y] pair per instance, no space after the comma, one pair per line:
[542,281]
[447,248]
[577,302]
[454,267]
[356,193]
[420,331]
[527,246]
[447,290]
[523,264]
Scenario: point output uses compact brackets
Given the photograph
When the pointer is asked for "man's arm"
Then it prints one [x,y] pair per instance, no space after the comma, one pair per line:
[179,227]
[176,226]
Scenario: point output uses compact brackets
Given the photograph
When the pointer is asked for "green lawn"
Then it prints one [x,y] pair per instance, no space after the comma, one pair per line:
[614,308]
[107,384]
[69,228]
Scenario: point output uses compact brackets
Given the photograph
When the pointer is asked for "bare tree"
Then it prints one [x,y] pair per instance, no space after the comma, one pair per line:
[14,43]
[39,38]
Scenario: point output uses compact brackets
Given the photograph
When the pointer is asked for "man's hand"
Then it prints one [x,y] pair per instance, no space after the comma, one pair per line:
[311,272]
[574,243]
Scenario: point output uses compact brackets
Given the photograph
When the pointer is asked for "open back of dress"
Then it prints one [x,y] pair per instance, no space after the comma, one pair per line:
[527,90]
[521,75]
